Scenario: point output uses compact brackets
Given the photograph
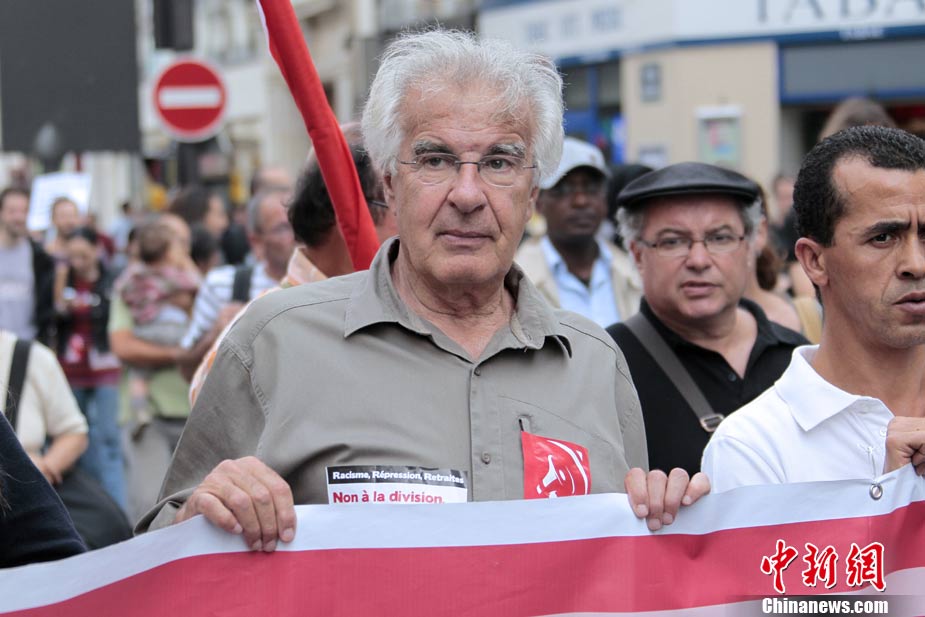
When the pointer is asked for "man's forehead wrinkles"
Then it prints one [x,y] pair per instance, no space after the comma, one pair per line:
[511,147]
[686,230]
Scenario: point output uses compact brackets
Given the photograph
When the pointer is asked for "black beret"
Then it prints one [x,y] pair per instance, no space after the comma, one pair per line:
[687,179]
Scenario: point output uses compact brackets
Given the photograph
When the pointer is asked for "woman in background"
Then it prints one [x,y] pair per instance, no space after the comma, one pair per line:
[82,303]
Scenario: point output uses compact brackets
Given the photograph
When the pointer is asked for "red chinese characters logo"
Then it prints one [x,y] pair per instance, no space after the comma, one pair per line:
[778,562]
[554,468]
[820,565]
[863,565]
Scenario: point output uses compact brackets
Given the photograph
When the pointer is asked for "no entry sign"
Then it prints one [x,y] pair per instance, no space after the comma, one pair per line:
[189,98]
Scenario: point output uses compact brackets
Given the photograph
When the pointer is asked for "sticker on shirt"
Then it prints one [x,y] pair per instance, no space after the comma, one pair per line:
[395,484]
[554,468]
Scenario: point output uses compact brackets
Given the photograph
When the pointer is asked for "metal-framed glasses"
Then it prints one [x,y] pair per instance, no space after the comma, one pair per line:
[499,170]
[718,243]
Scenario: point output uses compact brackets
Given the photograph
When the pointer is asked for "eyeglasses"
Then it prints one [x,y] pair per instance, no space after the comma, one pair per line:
[594,188]
[680,246]
[496,169]
[377,203]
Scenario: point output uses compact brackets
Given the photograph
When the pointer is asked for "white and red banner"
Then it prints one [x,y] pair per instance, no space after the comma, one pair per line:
[578,555]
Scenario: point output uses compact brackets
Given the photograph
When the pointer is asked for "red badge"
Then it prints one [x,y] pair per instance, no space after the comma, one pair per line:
[554,468]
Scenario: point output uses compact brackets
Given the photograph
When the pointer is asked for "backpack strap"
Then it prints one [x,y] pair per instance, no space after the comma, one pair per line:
[668,361]
[17,380]
[241,287]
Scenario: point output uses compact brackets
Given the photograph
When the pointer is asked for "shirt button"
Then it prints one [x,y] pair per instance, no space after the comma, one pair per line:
[478,371]
[486,458]
[733,376]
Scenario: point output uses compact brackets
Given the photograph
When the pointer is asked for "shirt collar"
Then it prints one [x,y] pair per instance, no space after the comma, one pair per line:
[301,270]
[375,300]
[811,398]
[766,336]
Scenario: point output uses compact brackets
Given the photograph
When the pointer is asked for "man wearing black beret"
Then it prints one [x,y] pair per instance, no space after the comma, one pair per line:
[697,350]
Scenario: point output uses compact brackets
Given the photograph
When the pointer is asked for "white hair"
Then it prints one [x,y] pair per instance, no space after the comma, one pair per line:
[631,221]
[432,61]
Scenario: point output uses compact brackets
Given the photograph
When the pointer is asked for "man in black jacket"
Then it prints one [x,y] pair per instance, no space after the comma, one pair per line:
[26,273]
[690,227]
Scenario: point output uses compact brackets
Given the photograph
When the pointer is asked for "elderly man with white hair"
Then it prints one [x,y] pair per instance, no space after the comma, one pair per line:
[440,374]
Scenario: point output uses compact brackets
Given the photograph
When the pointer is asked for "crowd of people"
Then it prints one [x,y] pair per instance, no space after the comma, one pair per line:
[666,329]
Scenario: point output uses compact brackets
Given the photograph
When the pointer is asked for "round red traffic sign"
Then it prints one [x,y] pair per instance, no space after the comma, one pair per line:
[189,98]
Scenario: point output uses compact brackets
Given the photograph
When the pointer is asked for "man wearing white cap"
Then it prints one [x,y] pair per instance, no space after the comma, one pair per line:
[569,266]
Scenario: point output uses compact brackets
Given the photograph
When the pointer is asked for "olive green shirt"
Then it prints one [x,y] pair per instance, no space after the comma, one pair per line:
[341,372]
[168,392]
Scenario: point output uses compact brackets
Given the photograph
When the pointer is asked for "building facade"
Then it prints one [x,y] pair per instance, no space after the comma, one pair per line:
[744,83]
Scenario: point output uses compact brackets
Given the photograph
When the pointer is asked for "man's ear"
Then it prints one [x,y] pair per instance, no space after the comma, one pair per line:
[811,255]
[388,193]
[537,197]
[533,204]
[636,252]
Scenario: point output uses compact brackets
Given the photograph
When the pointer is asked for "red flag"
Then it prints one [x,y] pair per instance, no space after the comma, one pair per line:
[291,54]
[554,467]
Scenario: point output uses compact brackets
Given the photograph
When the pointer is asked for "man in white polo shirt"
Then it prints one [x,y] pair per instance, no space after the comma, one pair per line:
[569,266]
[854,406]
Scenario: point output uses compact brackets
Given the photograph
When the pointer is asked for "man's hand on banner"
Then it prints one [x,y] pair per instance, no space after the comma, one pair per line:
[905,443]
[657,497]
[246,497]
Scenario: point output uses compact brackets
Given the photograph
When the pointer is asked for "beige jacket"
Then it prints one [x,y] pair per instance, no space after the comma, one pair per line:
[627,285]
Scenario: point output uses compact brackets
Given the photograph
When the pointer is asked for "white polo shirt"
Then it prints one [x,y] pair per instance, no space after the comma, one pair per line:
[802,429]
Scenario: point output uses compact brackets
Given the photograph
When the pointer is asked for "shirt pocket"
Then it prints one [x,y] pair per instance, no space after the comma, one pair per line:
[606,474]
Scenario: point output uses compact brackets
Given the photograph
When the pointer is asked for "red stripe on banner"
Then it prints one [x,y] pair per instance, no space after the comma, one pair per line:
[616,574]
[288,48]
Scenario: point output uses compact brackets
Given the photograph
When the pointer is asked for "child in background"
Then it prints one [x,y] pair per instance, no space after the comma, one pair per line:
[158,289]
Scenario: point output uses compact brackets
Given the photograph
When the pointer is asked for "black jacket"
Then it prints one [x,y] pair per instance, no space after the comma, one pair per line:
[43,269]
[99,314]
[34,526]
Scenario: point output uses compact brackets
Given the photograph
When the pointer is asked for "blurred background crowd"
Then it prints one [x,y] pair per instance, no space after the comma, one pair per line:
[127,246]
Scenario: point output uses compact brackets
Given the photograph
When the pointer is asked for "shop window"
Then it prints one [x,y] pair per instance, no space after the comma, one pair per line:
[608,77]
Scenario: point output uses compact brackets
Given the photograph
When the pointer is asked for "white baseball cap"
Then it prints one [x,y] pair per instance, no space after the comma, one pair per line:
[576,153]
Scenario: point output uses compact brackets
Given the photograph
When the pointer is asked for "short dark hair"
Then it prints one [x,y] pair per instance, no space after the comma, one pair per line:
[310,210]
[12,190]
[154,238]
[816,200]
[87,233]
[191,204]
[203,244]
